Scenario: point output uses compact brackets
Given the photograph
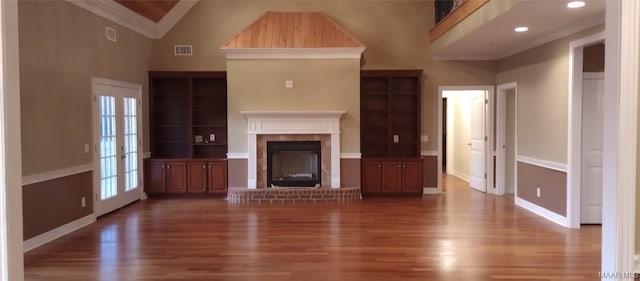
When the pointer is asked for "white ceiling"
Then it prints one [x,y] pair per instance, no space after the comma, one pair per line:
[547,20]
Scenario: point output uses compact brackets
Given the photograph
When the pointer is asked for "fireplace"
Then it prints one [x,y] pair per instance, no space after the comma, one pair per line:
[266,126]
[294,163]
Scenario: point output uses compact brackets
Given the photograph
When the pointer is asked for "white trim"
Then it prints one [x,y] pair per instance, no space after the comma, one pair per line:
[574,151]
[292,122]
[172,17]
[430,190]
[542,163]
[11,230]
[350,155]
[549,215]
[146,155]
[237,155]
[58,232]
[51,175]
[293,53]
[428,153]
[620,129]
[119,14]
[637,264]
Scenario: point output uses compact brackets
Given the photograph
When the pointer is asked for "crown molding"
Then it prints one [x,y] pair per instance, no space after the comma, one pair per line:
[117,13]
[293,53]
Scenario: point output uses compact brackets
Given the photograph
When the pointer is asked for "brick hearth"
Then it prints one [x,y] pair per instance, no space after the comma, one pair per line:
[294,195]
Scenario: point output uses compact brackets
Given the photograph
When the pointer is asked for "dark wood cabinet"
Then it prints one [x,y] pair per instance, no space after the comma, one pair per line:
[390,107]
[165,176]
[197,182]
[207,176]
[217,177]
[392,176]
[188,124]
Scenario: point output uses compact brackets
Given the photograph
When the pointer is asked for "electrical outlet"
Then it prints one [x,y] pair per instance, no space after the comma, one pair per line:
[538,191]
[288,84]
[83,202]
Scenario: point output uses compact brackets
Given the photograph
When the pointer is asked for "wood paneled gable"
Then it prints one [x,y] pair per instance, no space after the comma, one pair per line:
[293,30]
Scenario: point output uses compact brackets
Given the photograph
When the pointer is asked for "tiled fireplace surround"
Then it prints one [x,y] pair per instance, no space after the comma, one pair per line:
[264,126]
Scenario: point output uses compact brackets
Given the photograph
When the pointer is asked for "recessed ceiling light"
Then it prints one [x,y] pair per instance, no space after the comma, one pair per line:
[575,4]
[521,29]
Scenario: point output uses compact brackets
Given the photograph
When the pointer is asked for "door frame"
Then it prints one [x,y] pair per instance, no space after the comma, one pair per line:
[104,82]
[489,107]
[501,136]
[574,151]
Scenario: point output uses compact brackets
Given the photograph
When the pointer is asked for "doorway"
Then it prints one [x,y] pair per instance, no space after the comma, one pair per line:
[506,139]
[584,175]
[463,127]
[117,139]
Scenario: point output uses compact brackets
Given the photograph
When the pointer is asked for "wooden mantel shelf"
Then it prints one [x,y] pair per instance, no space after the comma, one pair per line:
[465,9]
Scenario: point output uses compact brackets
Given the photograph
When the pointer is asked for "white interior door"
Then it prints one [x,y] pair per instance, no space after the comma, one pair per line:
[477,142]
[591,170]
[117,142]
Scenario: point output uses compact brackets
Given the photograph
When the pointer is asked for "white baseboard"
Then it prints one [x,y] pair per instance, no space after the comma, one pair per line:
[430,190]
[58,232]
[542,212]
[460,176]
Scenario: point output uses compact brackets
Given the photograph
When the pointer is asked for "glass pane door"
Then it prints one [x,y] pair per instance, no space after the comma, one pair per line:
[108,151]
[130,144]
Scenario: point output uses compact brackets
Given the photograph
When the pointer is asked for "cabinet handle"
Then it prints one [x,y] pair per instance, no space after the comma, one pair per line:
[204,166]
[404,166]
[399,166]
[162,166]
[168,166]
[379,166]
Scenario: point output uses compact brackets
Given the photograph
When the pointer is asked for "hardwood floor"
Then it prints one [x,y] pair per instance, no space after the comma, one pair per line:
[460,235]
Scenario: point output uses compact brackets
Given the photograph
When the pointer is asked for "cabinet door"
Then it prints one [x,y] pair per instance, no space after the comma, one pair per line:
[197,176]
[155,176]
[391,176]
[371,176]
[176,176]
[412,176]
[217,176]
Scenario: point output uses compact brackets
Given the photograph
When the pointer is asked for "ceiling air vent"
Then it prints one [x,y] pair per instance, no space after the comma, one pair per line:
[182,50]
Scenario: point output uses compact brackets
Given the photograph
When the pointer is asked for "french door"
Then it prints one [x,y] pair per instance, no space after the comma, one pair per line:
[117,144]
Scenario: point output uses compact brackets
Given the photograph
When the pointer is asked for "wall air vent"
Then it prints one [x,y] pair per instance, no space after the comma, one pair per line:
[111,34]
[182,50]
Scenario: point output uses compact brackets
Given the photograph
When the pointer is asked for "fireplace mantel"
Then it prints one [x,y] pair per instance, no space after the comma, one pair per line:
[293,122]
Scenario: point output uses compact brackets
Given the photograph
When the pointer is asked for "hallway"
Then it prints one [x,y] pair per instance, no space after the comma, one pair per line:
[460,235]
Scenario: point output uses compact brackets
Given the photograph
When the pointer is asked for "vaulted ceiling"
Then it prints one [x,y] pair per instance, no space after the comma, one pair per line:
[153,10]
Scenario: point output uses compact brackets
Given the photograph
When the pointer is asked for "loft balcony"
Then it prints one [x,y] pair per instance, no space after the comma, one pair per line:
[484,29]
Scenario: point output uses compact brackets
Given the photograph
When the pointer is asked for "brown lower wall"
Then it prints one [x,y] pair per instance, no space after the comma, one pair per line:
[50,204]
[237,172]
[552,183]
[349,172]
[430,171]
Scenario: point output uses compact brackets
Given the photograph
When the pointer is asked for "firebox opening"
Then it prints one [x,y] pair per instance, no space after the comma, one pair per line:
[293,163]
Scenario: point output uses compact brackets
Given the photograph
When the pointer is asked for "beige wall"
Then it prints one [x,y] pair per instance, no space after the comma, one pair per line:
[542,74]
[61,48]
[255,85]
[395,33]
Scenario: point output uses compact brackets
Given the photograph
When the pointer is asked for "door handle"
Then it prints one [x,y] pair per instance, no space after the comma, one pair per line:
[123,156]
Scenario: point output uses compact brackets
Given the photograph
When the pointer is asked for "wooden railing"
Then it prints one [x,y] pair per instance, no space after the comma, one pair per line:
[457,14]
